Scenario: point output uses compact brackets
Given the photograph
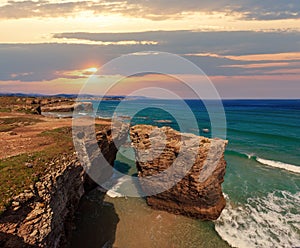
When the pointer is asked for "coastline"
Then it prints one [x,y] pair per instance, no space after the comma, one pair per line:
[35,197]
[248,183]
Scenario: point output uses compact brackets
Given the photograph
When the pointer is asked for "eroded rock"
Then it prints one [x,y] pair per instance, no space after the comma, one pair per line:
[186,170]
[42,216]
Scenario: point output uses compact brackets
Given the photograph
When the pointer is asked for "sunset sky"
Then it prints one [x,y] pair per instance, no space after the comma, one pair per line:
[248,48]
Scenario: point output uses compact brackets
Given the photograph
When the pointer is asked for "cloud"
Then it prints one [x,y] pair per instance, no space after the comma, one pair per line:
[154,9]
[246,9]
[193,42]
[42,8]
[216,53]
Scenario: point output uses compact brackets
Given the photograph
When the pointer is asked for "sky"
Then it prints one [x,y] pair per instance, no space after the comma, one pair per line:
[247,48]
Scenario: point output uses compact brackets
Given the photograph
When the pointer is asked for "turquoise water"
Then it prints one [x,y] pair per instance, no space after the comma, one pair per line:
[262,181]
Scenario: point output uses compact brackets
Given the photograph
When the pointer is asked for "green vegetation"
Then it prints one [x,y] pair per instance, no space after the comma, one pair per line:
[5,110]
[19,172]
[18,104]
[7,103]
[8,124]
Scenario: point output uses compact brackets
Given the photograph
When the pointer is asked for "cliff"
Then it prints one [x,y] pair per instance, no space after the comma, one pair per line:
[42,216]
[181,173]
[39,216]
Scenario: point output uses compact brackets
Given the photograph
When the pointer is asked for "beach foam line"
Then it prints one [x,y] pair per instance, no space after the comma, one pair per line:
[269,221]
[271,163]
[278,164]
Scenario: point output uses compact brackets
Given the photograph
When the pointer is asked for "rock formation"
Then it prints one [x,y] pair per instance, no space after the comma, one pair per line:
[69,106]
[194,191]
[42,215]
[39,216]
[98,163]
[60,108]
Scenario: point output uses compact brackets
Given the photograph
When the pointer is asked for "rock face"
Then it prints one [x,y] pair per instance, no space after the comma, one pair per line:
[67,106]
[39,217]
[194,191]
[37,105]
[42,216]
[98,155]
[60,108]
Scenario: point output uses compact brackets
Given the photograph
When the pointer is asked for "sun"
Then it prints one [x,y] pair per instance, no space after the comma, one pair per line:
[91,70]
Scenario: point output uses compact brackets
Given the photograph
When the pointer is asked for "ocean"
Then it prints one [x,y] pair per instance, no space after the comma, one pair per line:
[261,186]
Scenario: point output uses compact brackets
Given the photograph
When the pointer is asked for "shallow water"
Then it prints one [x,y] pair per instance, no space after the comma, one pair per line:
[138,226]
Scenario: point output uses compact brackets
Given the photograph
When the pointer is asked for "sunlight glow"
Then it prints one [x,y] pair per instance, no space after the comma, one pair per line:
[91,70]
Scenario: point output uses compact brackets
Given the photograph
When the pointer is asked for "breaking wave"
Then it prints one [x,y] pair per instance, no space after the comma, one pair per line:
[272,163]
[271,221]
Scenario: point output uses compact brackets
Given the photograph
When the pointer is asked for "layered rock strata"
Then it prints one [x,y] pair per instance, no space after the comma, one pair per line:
[181,173]
[39,216]
[42,216]
[68,107]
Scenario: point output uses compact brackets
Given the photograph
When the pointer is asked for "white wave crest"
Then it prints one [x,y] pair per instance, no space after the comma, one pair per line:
[272,221]
[277,164]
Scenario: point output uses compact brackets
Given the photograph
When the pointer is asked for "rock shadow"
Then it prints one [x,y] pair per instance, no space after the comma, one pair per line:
[95,221]
[8,240]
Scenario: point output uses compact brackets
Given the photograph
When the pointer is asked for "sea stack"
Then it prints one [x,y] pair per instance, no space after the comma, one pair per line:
[192,169]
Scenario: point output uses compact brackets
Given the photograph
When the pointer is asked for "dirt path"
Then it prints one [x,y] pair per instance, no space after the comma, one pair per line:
[25,139]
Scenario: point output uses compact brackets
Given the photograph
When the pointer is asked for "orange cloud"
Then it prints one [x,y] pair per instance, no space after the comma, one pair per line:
[268,57]
[73,74]
[261,65]
[254,57]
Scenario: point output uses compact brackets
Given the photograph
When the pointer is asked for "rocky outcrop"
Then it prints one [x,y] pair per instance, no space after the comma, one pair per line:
[60,108]
[181,173]
[67,107]
[37,105]
[42,216]
[39,216]
[98,163]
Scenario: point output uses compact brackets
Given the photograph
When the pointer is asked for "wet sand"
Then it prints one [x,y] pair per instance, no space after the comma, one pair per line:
[130,222]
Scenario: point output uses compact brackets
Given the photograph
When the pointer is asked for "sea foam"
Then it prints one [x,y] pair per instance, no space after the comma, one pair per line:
[271,163]
[113,187]
[277,164]
[271,221]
